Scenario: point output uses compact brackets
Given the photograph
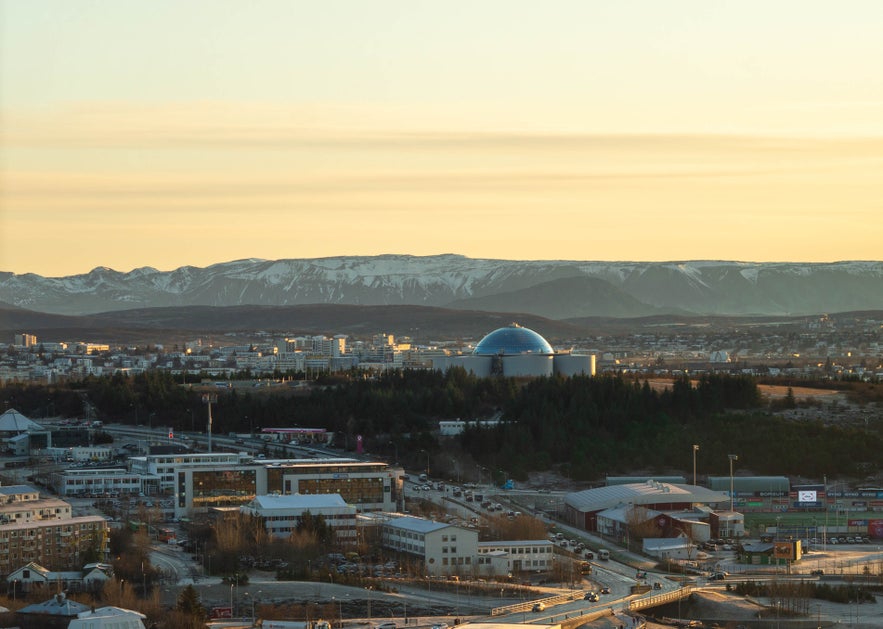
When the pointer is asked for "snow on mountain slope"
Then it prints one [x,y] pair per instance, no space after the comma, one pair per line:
[698,286]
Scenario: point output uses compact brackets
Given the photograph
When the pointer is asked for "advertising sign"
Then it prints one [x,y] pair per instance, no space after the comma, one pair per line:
[783,550]
[807,495]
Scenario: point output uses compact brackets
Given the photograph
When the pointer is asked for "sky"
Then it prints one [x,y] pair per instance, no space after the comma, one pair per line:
[166,133]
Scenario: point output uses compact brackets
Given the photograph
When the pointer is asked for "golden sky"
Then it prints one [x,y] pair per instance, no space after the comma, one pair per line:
[166,133]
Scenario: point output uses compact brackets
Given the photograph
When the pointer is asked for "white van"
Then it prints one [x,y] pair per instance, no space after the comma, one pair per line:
[603,554]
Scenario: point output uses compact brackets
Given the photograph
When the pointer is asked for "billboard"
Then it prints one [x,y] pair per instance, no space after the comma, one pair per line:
[807,495]
[787,550]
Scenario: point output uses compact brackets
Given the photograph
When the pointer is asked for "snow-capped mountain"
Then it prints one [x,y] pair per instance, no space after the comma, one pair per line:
[549,288]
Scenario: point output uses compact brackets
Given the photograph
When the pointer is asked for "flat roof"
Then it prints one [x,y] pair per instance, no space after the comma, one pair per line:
[297,501]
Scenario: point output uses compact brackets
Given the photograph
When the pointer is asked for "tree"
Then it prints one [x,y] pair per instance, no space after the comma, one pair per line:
[190,604]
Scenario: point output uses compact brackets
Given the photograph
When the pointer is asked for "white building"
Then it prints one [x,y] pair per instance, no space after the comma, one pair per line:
[445,549]
[282,514]
[108,618]
[93,482]
[513,556]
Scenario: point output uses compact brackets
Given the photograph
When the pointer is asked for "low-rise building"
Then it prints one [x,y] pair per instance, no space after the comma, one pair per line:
[281,515]
[513,556]
[92,482]
[444,549]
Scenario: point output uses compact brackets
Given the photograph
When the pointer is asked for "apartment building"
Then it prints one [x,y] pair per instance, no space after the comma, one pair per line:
[44,531]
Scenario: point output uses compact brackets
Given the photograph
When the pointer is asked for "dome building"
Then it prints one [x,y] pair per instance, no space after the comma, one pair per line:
[515,351]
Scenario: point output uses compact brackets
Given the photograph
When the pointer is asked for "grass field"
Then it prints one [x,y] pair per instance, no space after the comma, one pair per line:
[757,522]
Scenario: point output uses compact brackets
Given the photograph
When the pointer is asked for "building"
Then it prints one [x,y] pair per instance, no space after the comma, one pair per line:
[44,531]
[94,482]
[33,576]
[108,618]
[19,435]
[201,482]
[514,556]
[516,351]
[582,508]
[444,549]
[759,493]
[282,514]
[55,613]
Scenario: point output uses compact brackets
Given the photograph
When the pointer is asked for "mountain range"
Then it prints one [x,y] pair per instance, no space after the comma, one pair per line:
[558,290]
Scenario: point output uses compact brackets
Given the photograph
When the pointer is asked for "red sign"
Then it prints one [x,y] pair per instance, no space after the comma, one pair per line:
[221,612]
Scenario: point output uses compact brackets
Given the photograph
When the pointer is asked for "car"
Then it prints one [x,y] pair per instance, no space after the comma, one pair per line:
[538,607]
[640,574]
[605,590]
[657,585]
[440,625]
[718,576]
[592,597]
[386,625]
[817,573]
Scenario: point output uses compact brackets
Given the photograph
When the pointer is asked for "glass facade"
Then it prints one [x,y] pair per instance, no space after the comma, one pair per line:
[352,490]
[512,340]
[223,488]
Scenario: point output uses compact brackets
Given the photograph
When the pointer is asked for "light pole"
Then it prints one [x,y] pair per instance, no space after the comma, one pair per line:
[249,598]
[825,534]
[695,450]
[732,457]
[231,600]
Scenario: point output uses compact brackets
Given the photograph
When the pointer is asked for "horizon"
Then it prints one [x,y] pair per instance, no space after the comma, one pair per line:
[440,255]
[170,134]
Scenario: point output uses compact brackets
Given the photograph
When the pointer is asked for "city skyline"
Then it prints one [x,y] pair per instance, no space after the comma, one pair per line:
[167,134]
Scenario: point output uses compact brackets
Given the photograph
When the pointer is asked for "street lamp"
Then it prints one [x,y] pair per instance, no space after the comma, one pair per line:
[732,457]
[695,450]
[231,600]
[249,598]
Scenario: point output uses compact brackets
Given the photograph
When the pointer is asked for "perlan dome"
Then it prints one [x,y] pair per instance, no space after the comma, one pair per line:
[512,340]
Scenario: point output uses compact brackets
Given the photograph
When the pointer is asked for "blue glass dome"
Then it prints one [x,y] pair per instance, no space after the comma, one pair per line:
[510,340]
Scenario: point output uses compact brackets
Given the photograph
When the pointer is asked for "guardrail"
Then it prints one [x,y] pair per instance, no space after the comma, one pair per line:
[527,606]
[660,599]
